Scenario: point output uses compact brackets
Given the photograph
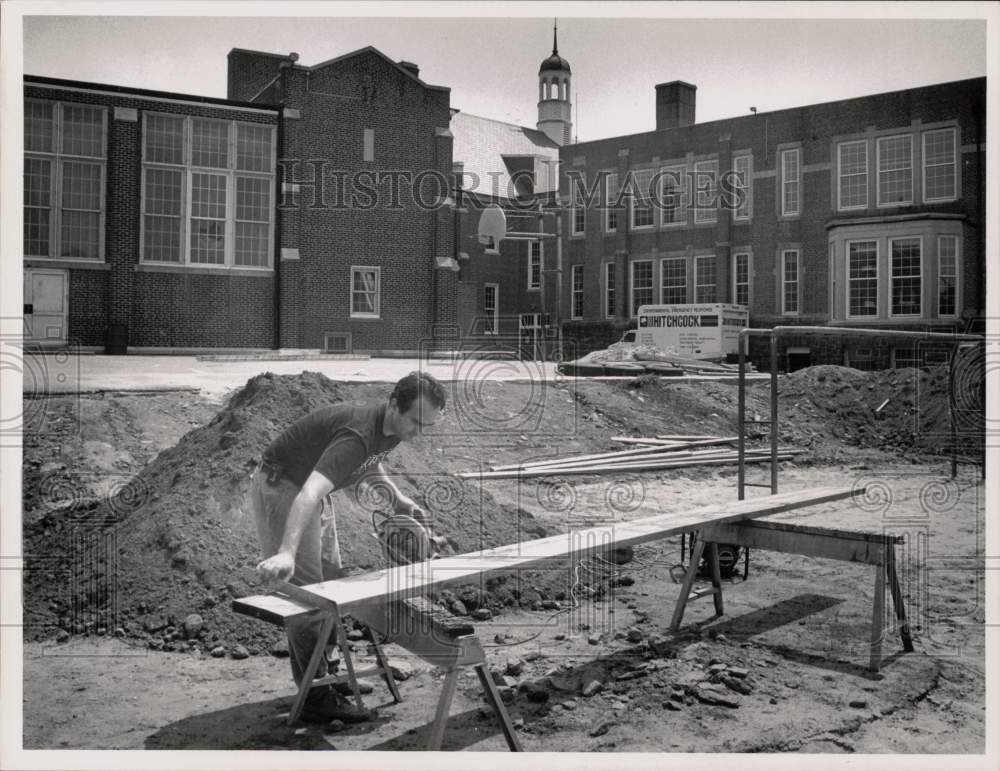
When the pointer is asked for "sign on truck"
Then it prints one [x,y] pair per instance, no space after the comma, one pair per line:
[700,331]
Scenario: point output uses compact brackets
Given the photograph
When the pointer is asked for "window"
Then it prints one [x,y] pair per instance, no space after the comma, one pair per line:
[365,291]
[207,192]
[947,275]
[491,308]
[642,284]
[611,192]
[940,169]
[578,211]
[895,170]
[576,309]
[674,280]
[609,290]
[673,195]
[862,279]
[706,187]
[741,186]
[790,282]
[852,175]
[64,168]
[741,278]
[790,182]
[904,256]
[368,149]
[704,278]
[642,209]
[534,265]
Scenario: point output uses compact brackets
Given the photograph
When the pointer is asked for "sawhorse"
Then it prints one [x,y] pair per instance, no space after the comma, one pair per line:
[877,549]
[408,623]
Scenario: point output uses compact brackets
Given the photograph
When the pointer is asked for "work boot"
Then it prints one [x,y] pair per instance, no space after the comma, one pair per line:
[324,705]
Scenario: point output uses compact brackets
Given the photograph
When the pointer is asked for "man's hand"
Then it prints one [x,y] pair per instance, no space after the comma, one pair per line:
[408,507]
[281,565]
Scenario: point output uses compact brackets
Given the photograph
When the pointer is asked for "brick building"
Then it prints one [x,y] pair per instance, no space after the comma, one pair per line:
[148,218]
[864,212]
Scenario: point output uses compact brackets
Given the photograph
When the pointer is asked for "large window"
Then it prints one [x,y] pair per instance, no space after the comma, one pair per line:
[366,291]
[895,170]
[704,278]
[790,282]
[674,280]
[790,183]
[673,195]
[64,168]
[742,172]
[741,278]
[578,212]
[576,309]
[947,275]
[940,183]
[642,284]
[852,175]
[706,186]
[609,290]
[208,192]
[534,265]
[642,205]
[862,279]
[611,192]
[904,256]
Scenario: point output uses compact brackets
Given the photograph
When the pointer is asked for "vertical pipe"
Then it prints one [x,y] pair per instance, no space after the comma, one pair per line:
[951,409]
[741,407]
[774,413]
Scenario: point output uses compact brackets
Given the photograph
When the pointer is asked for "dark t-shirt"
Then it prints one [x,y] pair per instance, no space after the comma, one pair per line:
[339,442]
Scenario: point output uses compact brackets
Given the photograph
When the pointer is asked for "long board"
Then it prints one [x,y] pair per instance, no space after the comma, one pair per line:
[410,580]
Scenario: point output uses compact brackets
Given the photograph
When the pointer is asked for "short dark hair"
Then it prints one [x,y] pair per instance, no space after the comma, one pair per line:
[415,385]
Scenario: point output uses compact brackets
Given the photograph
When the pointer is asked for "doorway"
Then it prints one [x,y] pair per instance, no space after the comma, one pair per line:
[46,305]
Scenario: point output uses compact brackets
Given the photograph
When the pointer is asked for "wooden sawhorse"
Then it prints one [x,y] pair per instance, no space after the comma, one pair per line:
[408,623]
[877,549]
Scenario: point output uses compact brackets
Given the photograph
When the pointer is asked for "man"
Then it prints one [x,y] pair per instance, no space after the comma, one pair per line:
[325,451]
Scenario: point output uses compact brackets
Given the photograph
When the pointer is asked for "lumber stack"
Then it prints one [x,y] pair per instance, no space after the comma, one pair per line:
[653,454]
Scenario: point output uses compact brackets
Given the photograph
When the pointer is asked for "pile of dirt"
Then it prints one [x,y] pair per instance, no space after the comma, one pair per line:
[178,540]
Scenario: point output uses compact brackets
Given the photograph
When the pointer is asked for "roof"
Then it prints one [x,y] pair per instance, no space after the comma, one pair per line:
[492,150]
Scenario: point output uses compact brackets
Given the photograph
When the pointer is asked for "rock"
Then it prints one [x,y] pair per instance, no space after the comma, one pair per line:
[218,652]
[334,726]
[713,694]
[518,723]
[634,635]
[739,672]
[102,630]
[510,682]
[569,704]
[662,646]
[859,703]
[280,648]
[239,652]
[497,674]
[119,631]
[155,643]
[722,638]
[154,623]
[716,669]
[534,691]
[620,635]
[506,694]
[458,608]
[626,580]
[737,684]
[63,636]
[401,670]
[533,656]
[515,667]
[631,675]
[594,686]
[551,605]
[602,728]
[673,706]
[482,614]
[594,639]
[193,624]
[677,696]
[560,636]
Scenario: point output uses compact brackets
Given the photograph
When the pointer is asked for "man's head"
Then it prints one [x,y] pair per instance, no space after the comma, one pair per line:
[415,403]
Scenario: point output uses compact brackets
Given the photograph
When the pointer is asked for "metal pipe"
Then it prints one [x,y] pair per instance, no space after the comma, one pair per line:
[741,406]
[774,414]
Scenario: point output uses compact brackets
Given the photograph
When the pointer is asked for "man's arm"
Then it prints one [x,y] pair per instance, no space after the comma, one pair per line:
[401,504]
[304,508]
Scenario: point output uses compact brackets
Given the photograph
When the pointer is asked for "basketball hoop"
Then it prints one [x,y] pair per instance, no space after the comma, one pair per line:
[492,228]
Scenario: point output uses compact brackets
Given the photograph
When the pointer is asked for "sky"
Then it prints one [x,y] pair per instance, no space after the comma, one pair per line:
[491,64]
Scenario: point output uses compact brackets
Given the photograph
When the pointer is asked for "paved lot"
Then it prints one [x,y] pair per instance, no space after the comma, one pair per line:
[59,373]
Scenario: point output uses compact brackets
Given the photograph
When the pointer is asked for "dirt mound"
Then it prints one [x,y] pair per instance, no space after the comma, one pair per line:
[178,539]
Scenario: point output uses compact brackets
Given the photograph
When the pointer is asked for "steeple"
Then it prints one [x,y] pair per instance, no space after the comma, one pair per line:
[554,108]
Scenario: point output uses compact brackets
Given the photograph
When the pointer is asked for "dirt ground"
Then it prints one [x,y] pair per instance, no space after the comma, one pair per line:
[789,656]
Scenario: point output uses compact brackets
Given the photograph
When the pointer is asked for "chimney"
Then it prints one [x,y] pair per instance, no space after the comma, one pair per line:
[411,68]
[674,104]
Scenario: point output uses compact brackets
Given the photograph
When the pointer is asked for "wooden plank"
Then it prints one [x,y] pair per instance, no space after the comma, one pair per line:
[618,467]
[676,445]
[796,527]
[632,456]
[418,578]
[272,608]
[830,545]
